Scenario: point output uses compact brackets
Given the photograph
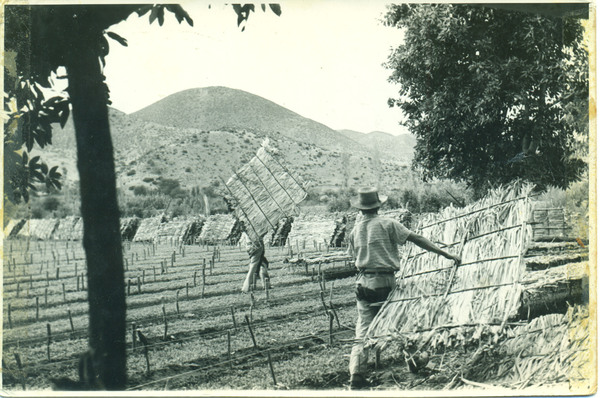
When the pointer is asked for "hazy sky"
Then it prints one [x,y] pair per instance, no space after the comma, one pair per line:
[322,59]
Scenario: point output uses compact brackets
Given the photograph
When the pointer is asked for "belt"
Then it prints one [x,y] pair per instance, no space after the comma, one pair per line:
[376,272]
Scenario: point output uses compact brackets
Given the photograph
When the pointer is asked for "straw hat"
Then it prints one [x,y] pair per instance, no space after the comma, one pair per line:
[368,198]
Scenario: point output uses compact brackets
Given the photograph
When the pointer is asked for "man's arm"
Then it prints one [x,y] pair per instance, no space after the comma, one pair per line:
[426,244]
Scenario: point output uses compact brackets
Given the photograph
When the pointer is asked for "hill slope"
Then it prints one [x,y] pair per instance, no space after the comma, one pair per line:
[385,145]
[222,108]
[146,150]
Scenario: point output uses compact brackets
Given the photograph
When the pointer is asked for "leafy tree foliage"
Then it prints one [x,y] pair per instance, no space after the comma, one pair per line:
[492,95]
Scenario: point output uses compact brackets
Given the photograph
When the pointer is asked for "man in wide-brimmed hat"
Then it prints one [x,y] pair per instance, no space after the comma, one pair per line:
[374,244]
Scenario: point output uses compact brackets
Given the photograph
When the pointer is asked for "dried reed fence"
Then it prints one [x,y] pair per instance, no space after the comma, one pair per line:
[491,236]
[264,191]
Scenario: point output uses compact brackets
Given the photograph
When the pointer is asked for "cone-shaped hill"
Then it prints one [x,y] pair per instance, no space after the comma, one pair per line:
[220,108]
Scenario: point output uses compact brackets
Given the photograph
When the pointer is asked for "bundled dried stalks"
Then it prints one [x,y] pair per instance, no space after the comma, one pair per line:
[551,349]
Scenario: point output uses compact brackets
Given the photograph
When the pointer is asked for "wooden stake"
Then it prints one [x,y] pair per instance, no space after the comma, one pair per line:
[64,293]
[251,332]
[271,368]
[20,366]
[128,287]
[229,348]
[165,320]
[195,278]
[133,336]
[37,309]
[187,290]
[330,328]
[139,285]
[233,318]
[71,322]
[143,276]
[10,325]
[49,334]
[45,297]
[177,301]
[154,272]
[203,277]
[144,341]
[266,282]
[57,273]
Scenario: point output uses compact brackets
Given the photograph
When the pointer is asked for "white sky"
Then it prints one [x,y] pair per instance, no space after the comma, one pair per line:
[322,59]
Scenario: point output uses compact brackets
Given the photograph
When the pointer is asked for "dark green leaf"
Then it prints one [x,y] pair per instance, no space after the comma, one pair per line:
[118,38]
[153,14]
[276,8]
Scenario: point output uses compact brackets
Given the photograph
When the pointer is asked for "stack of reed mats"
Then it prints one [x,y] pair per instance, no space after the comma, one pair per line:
[64,230]
[491,236]
[312,231]
[13,227]
[549,223]
[148,229]
[129,227]
[219,228]
[41,229]
[180,231]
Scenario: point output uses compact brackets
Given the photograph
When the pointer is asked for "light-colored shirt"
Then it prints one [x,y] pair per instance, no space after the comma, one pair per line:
[374,242]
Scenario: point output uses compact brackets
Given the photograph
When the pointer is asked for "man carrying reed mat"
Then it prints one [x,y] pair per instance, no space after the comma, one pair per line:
[373,243]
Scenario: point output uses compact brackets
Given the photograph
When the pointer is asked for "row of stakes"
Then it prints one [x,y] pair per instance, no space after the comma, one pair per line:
[138,335]
[139,282]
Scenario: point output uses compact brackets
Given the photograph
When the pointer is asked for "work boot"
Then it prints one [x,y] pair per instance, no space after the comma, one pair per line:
[358,382]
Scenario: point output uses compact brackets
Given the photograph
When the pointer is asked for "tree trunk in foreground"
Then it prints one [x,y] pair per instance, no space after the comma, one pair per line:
[100,213]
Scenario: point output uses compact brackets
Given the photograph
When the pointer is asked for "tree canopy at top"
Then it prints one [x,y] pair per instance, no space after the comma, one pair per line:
[492,95]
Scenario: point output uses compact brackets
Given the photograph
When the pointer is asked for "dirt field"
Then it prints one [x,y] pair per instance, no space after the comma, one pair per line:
[200,336]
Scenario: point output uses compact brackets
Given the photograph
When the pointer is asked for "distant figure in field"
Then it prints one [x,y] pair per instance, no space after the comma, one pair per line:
[258,265]
[374,243]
